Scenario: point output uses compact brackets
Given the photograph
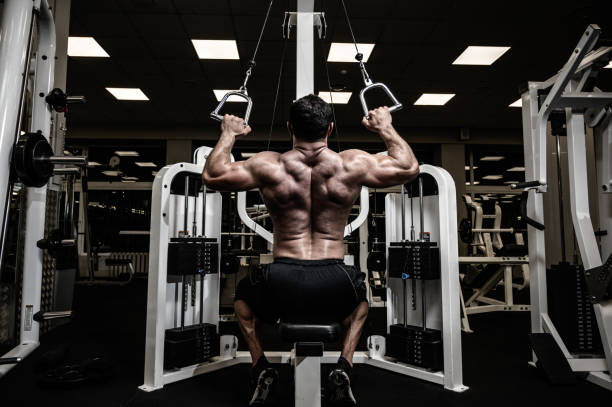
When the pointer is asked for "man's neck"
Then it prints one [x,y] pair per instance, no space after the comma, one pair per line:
[310,147]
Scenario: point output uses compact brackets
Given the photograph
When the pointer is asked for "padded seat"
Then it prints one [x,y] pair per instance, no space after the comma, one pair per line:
[309,332]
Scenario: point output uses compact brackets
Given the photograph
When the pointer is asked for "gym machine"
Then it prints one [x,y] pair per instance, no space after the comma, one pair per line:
[572,93]
[494,266]
[28,156]
[442,297]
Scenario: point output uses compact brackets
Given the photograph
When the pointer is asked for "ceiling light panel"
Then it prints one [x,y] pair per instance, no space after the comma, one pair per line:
[216,49]
[145,164]
[337,98]
[518,103]
[85,47]
[93,164]
[516,169]
[127,153]
[474,55]
[492,158]
[492,177]
[467,167]
[434,99]
[127,93]
[345,52]
[111,173]
[219,93]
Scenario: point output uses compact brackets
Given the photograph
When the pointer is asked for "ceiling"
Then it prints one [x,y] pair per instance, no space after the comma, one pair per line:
[416,42]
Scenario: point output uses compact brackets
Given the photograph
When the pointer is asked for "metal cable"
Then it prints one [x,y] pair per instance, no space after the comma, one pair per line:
[331,100]
[262,31]
[278,83]
[348,21]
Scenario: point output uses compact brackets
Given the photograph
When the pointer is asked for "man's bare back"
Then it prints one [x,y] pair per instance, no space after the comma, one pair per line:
[309,190]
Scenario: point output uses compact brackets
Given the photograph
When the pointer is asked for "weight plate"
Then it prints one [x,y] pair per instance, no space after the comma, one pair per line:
[30,171]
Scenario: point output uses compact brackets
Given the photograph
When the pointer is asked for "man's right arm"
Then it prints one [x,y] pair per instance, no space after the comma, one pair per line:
[399,166]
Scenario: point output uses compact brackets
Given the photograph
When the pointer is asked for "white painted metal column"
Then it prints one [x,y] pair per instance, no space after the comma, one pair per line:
[304,76]
[535,210]
[36,197]
[14,39]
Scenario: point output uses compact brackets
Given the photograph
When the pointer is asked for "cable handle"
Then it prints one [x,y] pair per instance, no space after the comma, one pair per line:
[364,105]
[240,93]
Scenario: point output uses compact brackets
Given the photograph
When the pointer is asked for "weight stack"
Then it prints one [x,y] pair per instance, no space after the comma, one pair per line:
[190,345]
[419,260]
[416,346]
[570,309]
[192,255]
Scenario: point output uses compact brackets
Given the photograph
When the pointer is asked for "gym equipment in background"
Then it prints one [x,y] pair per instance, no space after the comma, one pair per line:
[491,263]
[27,26]
[573,92]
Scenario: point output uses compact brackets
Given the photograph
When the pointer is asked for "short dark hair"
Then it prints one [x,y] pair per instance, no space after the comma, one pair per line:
[310,117]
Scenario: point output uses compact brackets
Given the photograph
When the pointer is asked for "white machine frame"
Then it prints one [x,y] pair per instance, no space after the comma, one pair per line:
[565,91]
[19,19]
[162,304]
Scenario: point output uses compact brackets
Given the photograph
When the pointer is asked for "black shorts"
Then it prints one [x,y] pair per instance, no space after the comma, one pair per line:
[303,290]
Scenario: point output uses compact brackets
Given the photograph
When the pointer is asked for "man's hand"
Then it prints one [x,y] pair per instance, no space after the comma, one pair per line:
[380,119]
[235,126]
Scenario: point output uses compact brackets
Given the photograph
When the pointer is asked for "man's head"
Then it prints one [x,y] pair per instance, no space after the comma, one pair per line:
[310,119]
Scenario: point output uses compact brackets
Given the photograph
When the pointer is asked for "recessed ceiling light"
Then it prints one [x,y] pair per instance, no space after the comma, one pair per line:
[475,183]
[127,93]
[518,103]
[111,173]
[474,55]
[93,164]
[511,182]
[516,169]
[337,98]
[85,47]
[129,178]
[216,49]
[493,177]
[345,52]
[145,164]
[492,158]
[219,93]
[434,99]
[467,167]
[127,153]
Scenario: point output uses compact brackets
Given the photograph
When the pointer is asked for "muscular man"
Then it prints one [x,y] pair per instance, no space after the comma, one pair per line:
[309,191]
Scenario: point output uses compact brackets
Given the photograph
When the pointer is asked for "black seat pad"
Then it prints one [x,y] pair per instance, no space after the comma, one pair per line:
[309,332]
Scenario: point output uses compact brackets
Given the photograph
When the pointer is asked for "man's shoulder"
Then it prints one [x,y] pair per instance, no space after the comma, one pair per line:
[353,155]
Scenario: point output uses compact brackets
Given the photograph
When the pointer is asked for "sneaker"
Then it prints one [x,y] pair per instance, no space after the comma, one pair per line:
[266,385]
[339,391]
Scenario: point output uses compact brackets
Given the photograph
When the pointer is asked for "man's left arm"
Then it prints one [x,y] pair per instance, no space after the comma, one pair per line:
[220,173]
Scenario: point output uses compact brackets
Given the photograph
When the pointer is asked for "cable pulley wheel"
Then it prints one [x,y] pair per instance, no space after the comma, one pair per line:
[28,160]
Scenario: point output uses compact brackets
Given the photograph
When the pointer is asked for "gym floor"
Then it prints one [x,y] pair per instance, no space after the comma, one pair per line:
[109,322]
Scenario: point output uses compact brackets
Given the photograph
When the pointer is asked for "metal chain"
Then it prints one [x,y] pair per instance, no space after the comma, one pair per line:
[359,56]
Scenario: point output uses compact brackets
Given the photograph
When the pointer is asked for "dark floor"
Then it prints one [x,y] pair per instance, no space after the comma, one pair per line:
[110,322]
